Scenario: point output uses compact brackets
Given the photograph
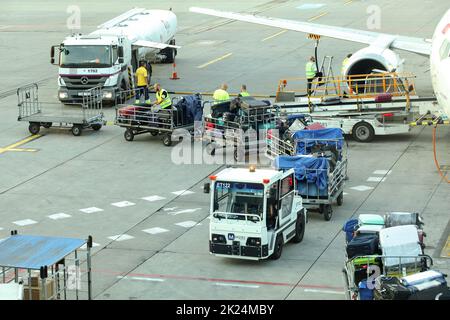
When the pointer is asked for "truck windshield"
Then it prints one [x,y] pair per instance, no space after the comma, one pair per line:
[86,56]
[240,198]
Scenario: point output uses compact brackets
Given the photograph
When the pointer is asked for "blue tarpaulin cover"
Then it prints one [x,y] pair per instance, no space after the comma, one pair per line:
[308,170]
[34,252]
[193,107]
[308,138]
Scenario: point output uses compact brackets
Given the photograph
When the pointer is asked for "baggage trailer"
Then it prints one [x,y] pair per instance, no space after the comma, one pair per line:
[241,124]
[88,114]
[144,118]
[45,268]
[320,166]
[254,212]
[363,106]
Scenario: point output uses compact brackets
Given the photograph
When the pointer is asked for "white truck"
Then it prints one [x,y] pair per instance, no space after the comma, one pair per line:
[109,56]
[254,212]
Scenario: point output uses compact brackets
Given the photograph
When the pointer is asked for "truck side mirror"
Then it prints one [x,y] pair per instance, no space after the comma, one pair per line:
[207,188]
[52,55]
[120,54]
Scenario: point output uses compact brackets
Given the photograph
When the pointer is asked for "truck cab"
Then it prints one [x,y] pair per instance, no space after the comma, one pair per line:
[90,61]
[254,212]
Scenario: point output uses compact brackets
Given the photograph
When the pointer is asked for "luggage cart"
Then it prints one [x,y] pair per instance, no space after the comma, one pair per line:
[46,268]
[320,160]
[143,118]
[46,115]
[360,268]
[241,124]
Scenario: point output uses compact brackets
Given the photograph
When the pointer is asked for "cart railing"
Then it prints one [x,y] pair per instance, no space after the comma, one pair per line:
[236,216]
[277,146]
[92,104]
[28,100]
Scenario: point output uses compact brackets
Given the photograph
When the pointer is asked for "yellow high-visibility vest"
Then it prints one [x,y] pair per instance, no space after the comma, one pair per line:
[311,70]
[245,94]
[221,95]
[163,102]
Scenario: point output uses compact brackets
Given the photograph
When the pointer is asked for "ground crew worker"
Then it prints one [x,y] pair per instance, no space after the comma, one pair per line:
[345,63]
[162,97]
[221,94]
[244,92]
[142,82]
[311,71]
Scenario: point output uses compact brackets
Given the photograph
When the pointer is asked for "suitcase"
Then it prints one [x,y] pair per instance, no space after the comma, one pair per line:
[362,245]
[372,219]
[425,285]
[383,97]
[349,229]
[394,219]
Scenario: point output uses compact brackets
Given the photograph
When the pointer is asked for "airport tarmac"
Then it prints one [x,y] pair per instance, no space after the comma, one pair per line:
[149,217]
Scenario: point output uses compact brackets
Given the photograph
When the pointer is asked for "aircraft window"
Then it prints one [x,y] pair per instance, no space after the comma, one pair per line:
[445,50]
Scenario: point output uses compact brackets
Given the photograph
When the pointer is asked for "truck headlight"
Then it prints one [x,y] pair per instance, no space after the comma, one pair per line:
[218,238]
[254,242]
[107,95]
[63,95]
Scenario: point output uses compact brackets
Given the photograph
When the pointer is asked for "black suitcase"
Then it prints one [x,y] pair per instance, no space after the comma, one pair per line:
[362,245]
[391,289]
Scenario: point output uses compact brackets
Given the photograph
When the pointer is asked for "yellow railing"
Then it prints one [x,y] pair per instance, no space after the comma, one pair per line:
[362,86]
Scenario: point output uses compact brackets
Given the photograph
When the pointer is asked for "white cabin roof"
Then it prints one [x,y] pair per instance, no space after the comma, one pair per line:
[244,175]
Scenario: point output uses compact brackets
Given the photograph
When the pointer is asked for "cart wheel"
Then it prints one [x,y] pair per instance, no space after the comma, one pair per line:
[76,130]
[128,135]
[328,212]
[321,208]
[34,127]
[154,133]
[340,199]
[47,125]
[278,248]
[96,126]
[167,139]
[299,229]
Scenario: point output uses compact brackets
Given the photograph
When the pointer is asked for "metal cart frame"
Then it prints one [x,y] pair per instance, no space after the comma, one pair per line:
[244,134]
[150,119]
[37,113]
[421,263]
[50,266]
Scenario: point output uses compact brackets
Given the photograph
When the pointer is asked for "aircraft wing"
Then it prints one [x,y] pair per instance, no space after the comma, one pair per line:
[154,45]
[416,45]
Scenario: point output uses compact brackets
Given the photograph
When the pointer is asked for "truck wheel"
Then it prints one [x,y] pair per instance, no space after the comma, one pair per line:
[34,128]
[363,132]
[327,212]
[278,248]
[96,126]
[239,154]
[340,199]
[128,135]
[77,130]
[167,139]
[299,229]
[210,149]
[47,125]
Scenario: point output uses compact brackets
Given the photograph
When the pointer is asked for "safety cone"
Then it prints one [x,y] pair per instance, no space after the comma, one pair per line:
[174,73]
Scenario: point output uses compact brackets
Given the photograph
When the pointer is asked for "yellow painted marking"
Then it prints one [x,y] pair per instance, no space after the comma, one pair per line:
[18,144]
[318,16]
[215,60]
[446,249]
[110,123]
[274,35]
[23,150]
[348,2]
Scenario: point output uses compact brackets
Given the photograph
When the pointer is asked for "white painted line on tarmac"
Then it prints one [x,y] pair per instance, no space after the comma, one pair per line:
[362,188]
[141,279]
[310,6]
[182,192]
[121,237]
[236,285]
[274,35]
[170,209]
[153,198]
[59,216]
[186,224]
[324,291]
[376,179]
[184,211]
[155,230]
[94,244]
[382,172]
[123,204]
[25,222]
[91,210]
